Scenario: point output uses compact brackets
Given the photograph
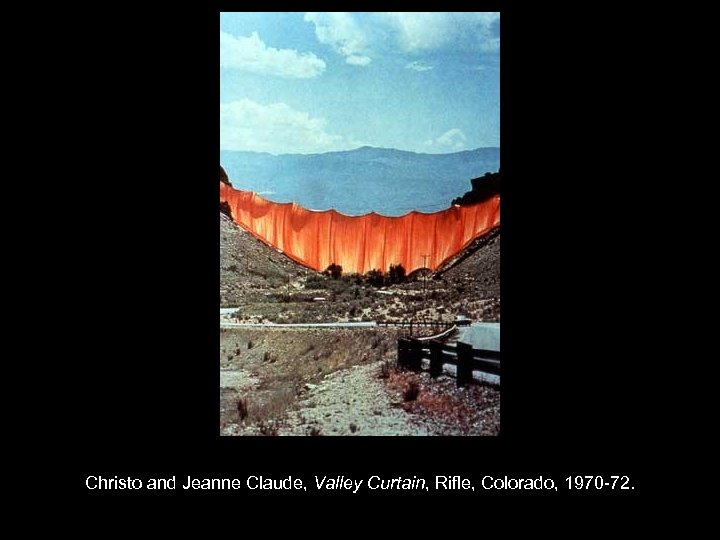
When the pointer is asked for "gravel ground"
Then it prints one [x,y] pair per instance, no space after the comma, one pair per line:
[351,402]
[357,401]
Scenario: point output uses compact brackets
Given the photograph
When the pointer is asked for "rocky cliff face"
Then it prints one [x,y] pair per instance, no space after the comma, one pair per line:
[224,176]
[225,207]
[483,188]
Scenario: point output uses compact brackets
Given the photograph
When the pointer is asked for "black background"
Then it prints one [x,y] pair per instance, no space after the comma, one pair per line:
[140,391]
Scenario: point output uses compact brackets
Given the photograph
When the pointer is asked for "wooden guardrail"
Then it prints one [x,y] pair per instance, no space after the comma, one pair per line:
[414,326]
[411,353]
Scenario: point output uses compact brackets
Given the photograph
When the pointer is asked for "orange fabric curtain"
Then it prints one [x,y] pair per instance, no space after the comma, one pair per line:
[361,243]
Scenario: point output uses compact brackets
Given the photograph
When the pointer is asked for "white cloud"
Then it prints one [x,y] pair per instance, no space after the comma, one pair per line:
[251,54]
[342,32]
[360,37]
[358,60]
[417,31]
[453,139]
[276,128]
[419,66]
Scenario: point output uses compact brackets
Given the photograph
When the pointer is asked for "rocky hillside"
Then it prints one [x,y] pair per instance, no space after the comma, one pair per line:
[248,264]
[483,188]
[224,177]
[477,268]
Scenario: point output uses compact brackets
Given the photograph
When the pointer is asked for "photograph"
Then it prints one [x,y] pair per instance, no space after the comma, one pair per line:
[360,224]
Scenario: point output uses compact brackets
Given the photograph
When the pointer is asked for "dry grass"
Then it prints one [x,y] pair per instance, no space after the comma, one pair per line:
[474,410]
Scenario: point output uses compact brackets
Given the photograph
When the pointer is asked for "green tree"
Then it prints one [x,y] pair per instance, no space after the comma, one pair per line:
[396,273]
[334,270]
[375,278]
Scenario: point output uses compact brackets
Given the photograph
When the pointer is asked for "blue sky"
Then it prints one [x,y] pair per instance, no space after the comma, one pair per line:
[319,82]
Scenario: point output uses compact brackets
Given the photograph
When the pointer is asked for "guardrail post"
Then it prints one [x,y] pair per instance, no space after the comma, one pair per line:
[415,358]
[436,358]
[464,363]
[403,352]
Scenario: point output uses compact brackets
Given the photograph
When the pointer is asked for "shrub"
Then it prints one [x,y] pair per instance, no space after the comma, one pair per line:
[412,391]
[242,409]
[316,281]
[397,273]
[334,271]
[375,278]
[269,429]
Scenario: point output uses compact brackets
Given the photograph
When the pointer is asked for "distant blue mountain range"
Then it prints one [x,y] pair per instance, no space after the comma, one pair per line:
[387,181]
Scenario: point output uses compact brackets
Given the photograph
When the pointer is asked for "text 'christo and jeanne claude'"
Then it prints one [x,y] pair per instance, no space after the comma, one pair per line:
[320,483]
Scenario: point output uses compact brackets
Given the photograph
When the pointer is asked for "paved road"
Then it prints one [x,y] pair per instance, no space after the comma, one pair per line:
[479,335]
[227,324]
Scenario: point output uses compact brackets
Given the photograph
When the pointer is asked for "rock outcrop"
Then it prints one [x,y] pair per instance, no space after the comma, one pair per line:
[483,188]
